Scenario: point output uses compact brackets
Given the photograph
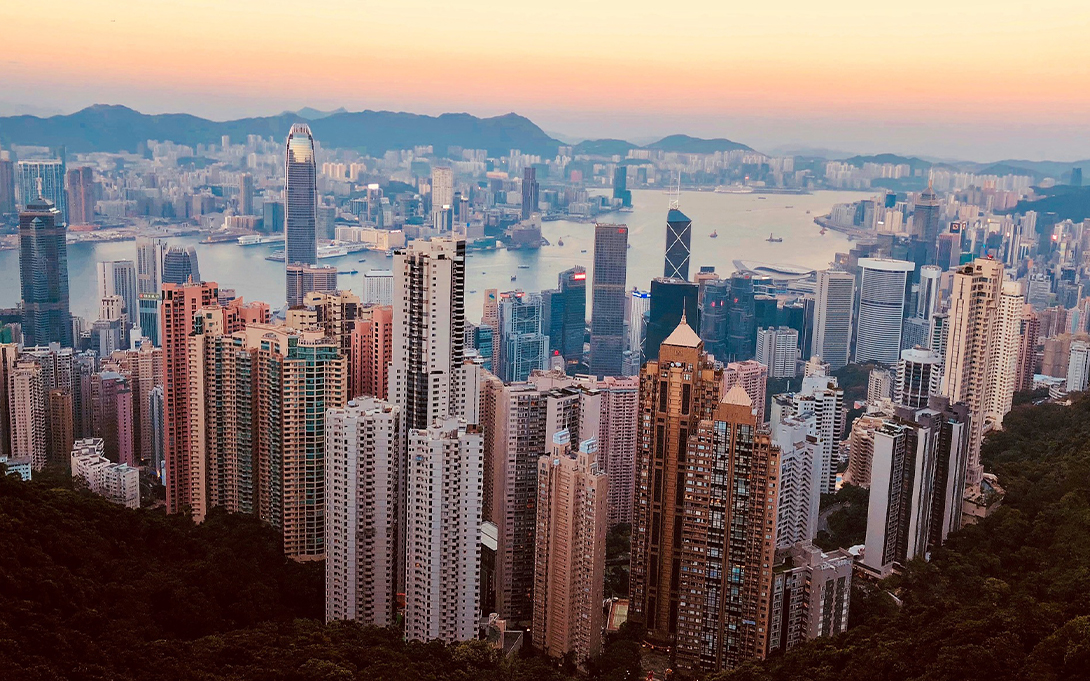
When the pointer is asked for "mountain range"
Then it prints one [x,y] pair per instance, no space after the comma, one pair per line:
[113,128]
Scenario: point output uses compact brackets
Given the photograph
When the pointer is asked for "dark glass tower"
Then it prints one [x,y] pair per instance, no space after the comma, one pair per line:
[529,192]
[43,275]
[300,198]
[620,186]
[669,298]
[679,232]
[607,309]
[180,266]
[566,314]
[926,224]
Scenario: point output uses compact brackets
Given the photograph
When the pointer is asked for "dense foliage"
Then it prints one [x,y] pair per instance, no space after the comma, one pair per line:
[1007,599]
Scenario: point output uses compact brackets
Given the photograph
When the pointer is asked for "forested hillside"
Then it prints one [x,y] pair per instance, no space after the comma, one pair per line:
[1008,599]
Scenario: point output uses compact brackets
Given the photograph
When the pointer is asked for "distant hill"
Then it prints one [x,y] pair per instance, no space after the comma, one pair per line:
[119,128]
[685,144]
[912,161]
[1069,203]
[604,147]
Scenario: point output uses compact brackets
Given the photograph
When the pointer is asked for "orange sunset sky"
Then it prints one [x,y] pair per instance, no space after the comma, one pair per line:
[980,79]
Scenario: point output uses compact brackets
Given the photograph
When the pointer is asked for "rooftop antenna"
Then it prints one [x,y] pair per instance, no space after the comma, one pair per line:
[38,181]
[677,197]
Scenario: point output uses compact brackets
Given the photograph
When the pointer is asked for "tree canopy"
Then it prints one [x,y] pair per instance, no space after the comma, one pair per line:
[1006,599]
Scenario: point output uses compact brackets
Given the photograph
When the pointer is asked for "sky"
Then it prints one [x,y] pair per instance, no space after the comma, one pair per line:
[956,79]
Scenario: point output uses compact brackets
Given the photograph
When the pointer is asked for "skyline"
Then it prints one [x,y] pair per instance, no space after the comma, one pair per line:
[963,81]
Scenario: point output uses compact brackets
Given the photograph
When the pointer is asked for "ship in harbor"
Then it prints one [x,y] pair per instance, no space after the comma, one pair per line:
[328,251]
[258,239]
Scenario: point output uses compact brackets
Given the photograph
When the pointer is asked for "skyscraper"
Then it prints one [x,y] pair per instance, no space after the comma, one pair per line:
[29,413]
[1027,353]
[728,539]
[917,480]
[118,278]
[300,198]
[670,300]
[442,188]
[927,222]
[778,349]
[363,447]
[246,194]
[620,185]
[638,306]
[7,184]
[43,275]
[679,232]
[971,361]
[753,377]
[180,266]
[677,391]
[523,346]
[617,441]
[303,279]
[518,420]
[570,561]
[427,376]
[44,179]
[820,396]
[81,196]
[370,352]
[919,376]
[608,291]
[566,315]
[833,317]
[529,192]
[443,531]
[882,293]
[180,304]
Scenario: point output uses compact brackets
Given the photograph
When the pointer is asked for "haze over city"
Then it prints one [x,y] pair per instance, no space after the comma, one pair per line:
[971,79]
[614,341]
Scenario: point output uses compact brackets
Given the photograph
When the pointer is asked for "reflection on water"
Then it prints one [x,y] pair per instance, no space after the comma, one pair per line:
[743,222]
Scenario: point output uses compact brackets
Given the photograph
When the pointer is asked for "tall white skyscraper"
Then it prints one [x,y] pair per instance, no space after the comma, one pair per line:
[443,532]
[363,447]
[821,397]
[440,479]
[799,498]
[427,376]
[118,278]
[972,351]
[778,349]
[378,287]
[1007,350]
[833,317]
[442,188]
[882,293]
[1078,366]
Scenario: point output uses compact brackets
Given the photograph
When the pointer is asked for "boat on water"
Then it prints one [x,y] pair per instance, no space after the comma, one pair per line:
[733,189]
[762,198]
[714,234]
[513,278]
[788,206]
[560,242]
[330,251]
[524,267]
[822,232]
[583,251]
[257,239]
[348,271]
[774,239]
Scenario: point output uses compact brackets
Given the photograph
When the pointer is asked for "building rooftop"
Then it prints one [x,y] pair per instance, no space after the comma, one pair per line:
[683,336]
